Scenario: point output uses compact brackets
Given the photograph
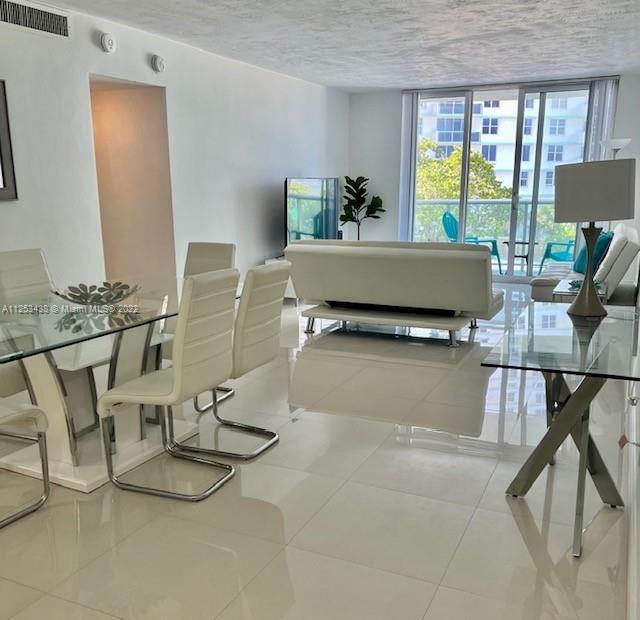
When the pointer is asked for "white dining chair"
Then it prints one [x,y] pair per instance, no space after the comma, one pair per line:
[27,423]
[256,339]
[202,359]
[202,257]
[205,256]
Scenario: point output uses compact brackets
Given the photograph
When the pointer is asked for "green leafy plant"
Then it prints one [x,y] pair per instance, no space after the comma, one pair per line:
[355,208]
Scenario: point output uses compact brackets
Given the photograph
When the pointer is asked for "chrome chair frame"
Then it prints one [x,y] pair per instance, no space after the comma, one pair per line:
[41,440]
[225,392]
[173,448]
[272,437]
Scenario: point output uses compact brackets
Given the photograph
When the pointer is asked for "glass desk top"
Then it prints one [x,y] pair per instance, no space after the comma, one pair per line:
[545,338]
[41,321]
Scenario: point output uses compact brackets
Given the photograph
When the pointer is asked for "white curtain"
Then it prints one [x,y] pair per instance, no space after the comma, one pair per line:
[604,96]
[410,102]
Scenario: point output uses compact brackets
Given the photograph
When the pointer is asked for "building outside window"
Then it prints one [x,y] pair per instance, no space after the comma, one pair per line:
[548,321]
[548,178]
[528,103]
[451,107]
[477,108]
[524,178]
[475,136]
[490,126]
[526,152]
[450,129]
[492,103]
[489,152]
[555,152]
[528,126]
[557,126]
[558,103]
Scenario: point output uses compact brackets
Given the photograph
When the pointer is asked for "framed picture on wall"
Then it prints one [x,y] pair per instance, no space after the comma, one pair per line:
[8,190]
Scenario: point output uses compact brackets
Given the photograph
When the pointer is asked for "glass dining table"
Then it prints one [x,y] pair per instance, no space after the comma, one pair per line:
[63,342]
[545,339]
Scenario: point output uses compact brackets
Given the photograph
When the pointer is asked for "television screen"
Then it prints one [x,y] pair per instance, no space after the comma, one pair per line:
[311,208]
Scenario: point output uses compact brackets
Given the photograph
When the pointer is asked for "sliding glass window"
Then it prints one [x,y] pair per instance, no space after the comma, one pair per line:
[482,167]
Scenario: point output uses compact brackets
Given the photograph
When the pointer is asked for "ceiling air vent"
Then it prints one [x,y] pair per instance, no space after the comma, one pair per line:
[35,19]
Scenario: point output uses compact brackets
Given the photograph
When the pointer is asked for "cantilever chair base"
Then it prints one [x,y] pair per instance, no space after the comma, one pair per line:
[272,439]
[41,440]
[173,448]
[225,392]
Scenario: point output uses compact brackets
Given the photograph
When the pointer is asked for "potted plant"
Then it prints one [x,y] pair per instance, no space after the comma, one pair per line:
[355,208]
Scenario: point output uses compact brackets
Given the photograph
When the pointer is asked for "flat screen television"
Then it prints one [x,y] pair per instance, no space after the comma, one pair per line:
[311,208]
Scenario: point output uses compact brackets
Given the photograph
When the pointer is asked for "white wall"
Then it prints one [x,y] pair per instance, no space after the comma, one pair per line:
[235,133]
[374,152]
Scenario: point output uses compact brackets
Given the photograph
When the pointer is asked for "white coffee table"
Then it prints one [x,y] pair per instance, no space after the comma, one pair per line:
[564,293]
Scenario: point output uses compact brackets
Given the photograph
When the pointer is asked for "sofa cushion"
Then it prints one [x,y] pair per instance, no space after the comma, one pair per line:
[621,266]
[617,245]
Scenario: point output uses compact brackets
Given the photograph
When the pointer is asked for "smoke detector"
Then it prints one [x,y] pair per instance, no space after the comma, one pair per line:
[108,42]
[158,64]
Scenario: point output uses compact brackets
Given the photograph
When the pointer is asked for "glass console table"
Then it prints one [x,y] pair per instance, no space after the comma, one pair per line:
[547,340]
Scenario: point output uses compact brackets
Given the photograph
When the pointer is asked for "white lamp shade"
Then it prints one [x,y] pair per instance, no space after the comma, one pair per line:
[595,190]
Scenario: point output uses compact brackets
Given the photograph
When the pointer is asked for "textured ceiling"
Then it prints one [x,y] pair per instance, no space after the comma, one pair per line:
[369,44]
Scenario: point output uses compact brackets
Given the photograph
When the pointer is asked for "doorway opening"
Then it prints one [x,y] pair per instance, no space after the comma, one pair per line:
[134,181]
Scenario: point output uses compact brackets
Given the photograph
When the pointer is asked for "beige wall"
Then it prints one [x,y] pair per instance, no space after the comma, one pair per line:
[134,181]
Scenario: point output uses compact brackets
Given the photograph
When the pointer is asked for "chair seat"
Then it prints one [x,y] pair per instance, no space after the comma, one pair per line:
[20,416]
[154,388]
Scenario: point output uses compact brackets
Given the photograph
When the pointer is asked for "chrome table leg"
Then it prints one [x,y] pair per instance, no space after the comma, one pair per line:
[582,475]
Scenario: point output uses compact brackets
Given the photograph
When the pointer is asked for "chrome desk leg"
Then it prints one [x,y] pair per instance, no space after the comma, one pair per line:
[311,323]
[473,324]
[224,393]
[582,475]
[571,419]
[272,438]
[453,340]
[41,440]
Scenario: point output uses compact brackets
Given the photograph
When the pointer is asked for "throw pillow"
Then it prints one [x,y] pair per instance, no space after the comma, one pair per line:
[602,245]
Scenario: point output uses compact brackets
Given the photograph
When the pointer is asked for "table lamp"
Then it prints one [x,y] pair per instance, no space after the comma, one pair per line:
[591,192]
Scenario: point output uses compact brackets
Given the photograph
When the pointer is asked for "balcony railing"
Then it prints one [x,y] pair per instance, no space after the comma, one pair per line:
[490,219]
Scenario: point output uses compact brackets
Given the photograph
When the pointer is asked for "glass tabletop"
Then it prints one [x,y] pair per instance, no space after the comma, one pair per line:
[545,338]
[44,320]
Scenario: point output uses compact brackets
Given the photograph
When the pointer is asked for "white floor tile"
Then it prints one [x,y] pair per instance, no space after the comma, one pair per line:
[305,586]
[15,597]
[53,608]
[451,476]
[264,501]
[397,532]
[327,444]
[517,559]
[171,568]
[450,604]
[72,529]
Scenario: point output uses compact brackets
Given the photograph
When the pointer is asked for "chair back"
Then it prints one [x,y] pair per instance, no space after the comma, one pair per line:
[204,256]
[256,338]
[450,225]
[24,276]
[202,357]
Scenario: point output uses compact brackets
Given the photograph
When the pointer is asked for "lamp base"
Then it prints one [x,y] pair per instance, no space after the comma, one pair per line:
[587,303]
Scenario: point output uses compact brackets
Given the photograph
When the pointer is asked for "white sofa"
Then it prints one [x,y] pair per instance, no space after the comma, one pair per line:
[624,247]
[433,285]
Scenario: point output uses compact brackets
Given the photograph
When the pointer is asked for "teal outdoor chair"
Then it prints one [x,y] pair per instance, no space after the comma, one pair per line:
[450,225]
[563,254]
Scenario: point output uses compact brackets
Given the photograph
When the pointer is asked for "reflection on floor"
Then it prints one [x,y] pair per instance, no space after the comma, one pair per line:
[384,499]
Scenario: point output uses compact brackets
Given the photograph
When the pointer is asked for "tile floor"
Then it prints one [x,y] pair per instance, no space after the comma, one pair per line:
[383,500]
